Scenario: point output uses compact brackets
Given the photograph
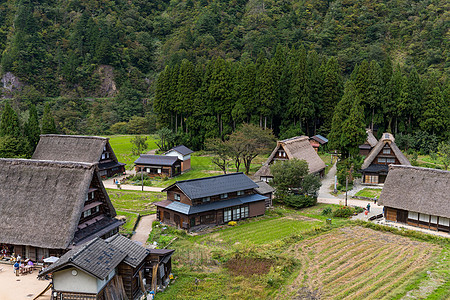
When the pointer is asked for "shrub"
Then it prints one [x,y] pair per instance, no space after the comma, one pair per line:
[343,212]
[359,209]
[327,211]
[300,201]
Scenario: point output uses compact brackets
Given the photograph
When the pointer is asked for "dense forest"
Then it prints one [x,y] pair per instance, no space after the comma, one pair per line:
[203,67]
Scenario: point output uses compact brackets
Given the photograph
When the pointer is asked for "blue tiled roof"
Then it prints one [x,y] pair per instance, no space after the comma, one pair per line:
[322,138]
[189,210]
[215,185]
[156,160]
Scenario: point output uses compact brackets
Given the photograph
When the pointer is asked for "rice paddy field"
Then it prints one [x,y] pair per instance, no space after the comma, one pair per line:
[292,255]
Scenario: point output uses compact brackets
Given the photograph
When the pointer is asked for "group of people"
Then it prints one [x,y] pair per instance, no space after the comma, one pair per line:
[22,267]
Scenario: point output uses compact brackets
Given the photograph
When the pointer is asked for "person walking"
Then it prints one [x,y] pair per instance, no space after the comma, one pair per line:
[16,268]
[368,207]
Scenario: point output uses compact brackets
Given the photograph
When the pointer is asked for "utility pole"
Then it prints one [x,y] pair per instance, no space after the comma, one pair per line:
[346,188]
[142,179]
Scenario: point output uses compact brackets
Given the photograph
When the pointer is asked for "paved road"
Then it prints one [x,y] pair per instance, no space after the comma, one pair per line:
[326,197]
[143,229]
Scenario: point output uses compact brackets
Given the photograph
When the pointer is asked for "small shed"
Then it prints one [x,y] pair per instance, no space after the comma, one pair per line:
[184,155]
[318,141]
[266,190]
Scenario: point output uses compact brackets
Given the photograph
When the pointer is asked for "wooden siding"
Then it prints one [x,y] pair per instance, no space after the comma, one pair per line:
[401,216]
[185,165]
[391,214]
[257,208]
[183,198]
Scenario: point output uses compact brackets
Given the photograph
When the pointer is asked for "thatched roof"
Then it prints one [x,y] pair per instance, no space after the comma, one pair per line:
[297,147]
[386,139]
[86,149]
[371,139]
[41,201]
[417,189]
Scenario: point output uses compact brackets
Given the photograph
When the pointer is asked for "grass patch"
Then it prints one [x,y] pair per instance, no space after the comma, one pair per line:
[369,193]
[121,145]
[260,232]
[131,219]
[135,201]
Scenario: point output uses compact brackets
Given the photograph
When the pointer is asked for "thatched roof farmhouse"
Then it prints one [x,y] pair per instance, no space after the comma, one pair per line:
[417,196]
[376,165]
[297,147]
[88,149]
[47,207]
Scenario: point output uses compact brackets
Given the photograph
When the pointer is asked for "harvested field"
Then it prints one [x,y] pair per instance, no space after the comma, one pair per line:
[357,263]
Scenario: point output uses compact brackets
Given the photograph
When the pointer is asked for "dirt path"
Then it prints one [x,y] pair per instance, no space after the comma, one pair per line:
[14,287]
[143,229]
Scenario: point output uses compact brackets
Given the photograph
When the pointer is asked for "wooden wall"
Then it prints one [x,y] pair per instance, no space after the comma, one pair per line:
[257,208]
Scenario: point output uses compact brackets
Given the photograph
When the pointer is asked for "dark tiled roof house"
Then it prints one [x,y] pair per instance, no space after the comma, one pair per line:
[88,149]
[169,166]
[48,207]
[210,201]
[116,266]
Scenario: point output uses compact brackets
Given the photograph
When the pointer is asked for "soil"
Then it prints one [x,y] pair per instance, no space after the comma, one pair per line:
[247,266]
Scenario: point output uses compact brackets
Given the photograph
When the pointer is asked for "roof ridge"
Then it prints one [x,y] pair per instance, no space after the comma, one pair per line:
[68,164]
[76,136]
[419,168]
[203,178]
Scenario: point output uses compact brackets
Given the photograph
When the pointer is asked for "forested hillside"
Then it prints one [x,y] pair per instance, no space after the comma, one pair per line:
[203,67]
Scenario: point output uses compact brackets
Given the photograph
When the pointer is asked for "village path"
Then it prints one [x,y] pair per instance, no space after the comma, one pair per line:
[143,229]
[326,197]
[109,184]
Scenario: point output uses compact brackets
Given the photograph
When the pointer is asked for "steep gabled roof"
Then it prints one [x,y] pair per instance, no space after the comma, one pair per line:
[389,139]
[215,185]
[297,147]
[135,252]
[183,150]
[97,258]
[55,147]
[371,139]
[417,189]
[156,160]
[41,201]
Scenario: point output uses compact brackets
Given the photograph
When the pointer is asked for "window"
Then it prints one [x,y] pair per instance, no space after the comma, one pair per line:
[424,218]
[433,219]
[177,197]
[381,160]
[413,215]
[390,160]
[386,151]
[95,209]
[224,196]
[371,179]
[206,199]
[240,193]
[226,215]
[87,213]
[236,213]
[444,221]
[159,171]
[244,212]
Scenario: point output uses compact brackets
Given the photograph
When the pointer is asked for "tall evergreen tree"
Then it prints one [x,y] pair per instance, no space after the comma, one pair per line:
[48,122]
[331,92]
[32,130]
[9,125]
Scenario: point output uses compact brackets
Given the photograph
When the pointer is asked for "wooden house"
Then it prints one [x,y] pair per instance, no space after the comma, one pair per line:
[157,165]
[297,147]
[184,155]
[74,148]
[116,268]
[417,197]
[266,190]
[48,207]
[376,165]
[369,144]
[210,201]
[318,141]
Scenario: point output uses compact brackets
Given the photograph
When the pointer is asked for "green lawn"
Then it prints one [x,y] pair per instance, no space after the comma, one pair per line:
[261,232]
[131,219]
[122,147]
[370,193]
[135,201]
